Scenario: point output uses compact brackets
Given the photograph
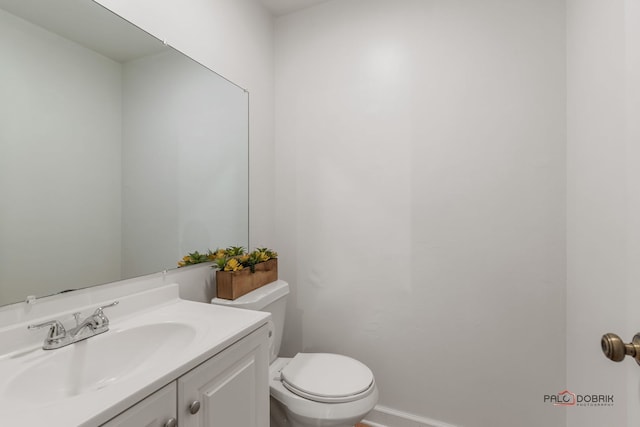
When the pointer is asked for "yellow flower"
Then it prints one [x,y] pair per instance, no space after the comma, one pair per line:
[233,265]
[263,257]
[219,253]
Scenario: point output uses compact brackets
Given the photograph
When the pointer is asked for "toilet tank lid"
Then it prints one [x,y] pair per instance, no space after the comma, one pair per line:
[258,298]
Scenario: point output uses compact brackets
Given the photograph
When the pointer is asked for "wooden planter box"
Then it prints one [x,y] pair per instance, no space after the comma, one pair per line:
[234,284]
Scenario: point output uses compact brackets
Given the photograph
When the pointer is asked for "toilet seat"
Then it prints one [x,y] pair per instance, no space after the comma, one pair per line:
[327,378]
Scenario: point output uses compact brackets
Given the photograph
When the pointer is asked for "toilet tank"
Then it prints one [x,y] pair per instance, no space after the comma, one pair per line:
[271,298]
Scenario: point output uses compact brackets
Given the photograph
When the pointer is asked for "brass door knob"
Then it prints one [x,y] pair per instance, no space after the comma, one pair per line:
[615,349]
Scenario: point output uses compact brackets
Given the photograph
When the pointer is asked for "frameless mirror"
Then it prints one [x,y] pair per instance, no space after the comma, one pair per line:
[118,154]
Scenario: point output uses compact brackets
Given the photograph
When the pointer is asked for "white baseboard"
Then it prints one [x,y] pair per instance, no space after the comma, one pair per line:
[381,416]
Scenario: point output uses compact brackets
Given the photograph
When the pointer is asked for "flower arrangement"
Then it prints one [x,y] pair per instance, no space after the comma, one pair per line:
[236,259]
[238,271]
[233,258]
[193,258]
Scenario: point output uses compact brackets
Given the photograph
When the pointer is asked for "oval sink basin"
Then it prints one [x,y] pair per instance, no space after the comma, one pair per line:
[97,362]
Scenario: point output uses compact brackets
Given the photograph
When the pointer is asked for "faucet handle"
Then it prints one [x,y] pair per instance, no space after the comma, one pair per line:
[56,329]
[99,309]
[99,314]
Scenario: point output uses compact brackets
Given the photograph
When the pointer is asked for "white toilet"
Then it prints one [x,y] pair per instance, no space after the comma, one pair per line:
[310,389]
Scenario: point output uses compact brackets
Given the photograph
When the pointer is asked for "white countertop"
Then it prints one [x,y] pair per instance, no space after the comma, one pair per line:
[212,327]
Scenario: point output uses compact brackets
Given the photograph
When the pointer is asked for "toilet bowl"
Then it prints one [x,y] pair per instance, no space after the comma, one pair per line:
[309,389]
[314,402]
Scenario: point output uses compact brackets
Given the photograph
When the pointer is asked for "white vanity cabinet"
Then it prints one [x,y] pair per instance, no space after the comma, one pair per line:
[230,389]
[157,410]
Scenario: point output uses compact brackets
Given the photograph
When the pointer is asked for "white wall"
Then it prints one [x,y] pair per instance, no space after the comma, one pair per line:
[235,39]
[420,165]
[62,168]
[603,203]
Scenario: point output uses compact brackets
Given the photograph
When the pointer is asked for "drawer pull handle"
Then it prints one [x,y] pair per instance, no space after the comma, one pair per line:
[194,407]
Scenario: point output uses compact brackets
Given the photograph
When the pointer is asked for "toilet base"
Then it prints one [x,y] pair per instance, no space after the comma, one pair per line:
[278,418]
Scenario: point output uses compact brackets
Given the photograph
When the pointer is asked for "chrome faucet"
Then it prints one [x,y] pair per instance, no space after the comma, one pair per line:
[58,336]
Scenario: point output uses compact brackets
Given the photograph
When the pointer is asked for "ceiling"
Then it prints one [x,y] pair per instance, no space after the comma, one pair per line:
[282,7]
[88,24]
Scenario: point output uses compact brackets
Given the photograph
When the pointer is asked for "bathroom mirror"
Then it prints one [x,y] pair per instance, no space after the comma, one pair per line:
[118,154]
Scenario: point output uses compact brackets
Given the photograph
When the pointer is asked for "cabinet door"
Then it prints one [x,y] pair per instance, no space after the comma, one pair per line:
[229,390]
[157,410]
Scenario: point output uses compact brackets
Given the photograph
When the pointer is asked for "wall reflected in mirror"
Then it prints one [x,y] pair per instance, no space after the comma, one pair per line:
[118,154]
